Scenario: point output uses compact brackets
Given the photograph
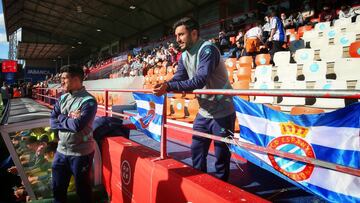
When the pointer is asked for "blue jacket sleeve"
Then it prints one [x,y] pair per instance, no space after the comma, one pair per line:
[88,112]
[208,60]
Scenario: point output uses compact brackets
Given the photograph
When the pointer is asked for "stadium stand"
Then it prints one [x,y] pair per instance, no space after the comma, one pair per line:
[319,55]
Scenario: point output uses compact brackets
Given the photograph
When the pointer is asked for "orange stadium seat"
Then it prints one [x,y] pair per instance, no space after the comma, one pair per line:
[230,71]
[101,99]
[150,72]
[163,71]
[273,107]
[179,109]
[242,85]
[96,97]
[110,100]
[147,86]
[156,71]
[303,29]
[117,99]
[243,72]
[290,31]
[169,109]
[192,108]
[298,110]
[262,59]
[170,69]
[354,49]
[246,60]
[179,95]
[147,80]
[169,76]
[161,78]
[154,79]
[230,63]
[189,96]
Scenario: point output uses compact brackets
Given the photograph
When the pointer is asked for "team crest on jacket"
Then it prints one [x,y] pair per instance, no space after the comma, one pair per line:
[292,141]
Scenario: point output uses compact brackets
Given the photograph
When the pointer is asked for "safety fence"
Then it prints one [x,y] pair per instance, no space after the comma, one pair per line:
[43,95]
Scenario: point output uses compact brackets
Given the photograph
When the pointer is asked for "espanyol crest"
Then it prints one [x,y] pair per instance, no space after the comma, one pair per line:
[292,141]
[146,120]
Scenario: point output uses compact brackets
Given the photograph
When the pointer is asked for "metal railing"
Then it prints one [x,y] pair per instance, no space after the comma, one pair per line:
[340,94]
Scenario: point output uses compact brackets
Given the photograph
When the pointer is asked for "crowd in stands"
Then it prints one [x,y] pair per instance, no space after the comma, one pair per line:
[163,54]
[96,63]
[16,90]
[253,37]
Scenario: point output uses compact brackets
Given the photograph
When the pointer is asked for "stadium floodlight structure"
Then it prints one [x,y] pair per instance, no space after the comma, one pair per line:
[14,39]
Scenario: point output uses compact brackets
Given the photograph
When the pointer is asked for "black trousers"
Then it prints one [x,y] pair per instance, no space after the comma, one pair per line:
[200,145]
[275,47]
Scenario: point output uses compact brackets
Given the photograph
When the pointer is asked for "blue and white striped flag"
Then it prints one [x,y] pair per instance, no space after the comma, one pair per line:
[333,137]
[149,117]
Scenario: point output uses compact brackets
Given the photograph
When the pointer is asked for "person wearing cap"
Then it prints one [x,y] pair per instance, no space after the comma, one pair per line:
[72,116]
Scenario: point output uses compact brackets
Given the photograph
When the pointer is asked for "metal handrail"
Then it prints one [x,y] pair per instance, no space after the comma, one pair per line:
[344,94]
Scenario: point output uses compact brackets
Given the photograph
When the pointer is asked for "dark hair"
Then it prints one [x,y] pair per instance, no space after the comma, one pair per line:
[31,140]
[190,24]
[50,147]
[44,138]
[73,70]
[273,12]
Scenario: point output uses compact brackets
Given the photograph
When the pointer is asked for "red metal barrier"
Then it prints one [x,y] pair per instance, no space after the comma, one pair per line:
[289,93]
[133,173]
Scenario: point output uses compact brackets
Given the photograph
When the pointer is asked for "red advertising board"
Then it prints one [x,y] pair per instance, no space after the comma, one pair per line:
[9,66]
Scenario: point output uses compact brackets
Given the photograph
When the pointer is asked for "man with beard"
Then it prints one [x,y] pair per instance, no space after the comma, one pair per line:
[201,67]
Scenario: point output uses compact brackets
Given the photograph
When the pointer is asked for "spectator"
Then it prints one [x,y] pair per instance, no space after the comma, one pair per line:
[22,89]
[240,49]
[5,93]
[252,40]
[328,14]
[346,12]
[287,22]
[277,35]
[298,20]
[266,29]
[307,13]
[224,42]
[173,53]
[29,90]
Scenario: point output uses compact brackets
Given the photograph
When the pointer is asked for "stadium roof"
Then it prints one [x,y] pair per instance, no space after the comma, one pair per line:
[74,27]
